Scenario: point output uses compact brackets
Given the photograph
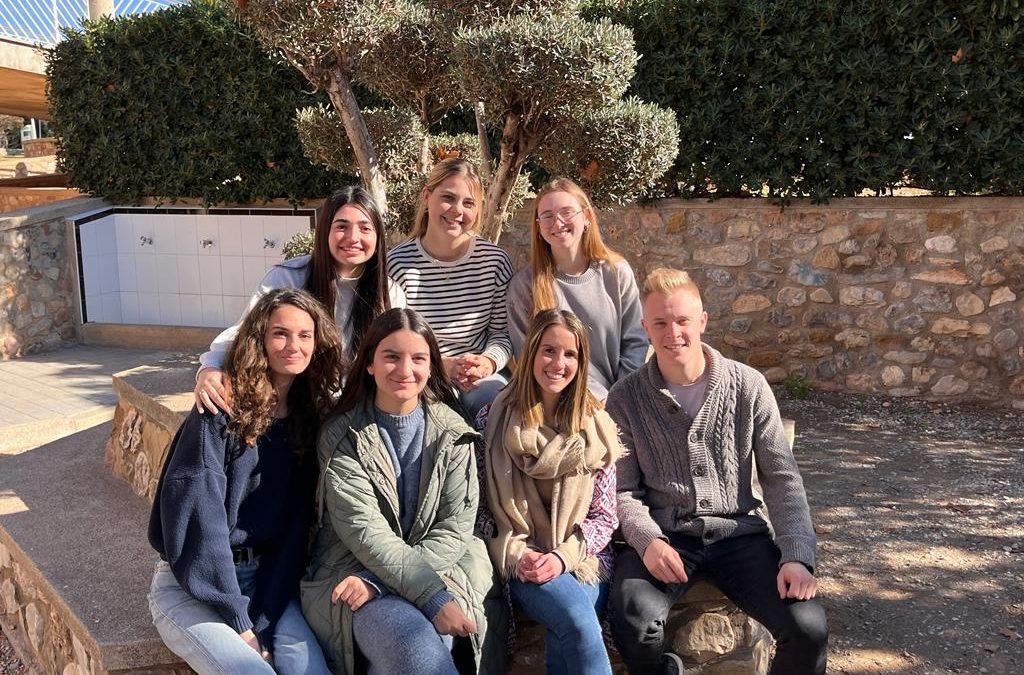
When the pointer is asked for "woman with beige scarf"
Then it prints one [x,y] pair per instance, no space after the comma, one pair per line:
[550,467]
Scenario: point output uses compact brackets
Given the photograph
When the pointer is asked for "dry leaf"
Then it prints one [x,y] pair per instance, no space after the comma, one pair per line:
[959,55]
[959,508]
[1009,633]
[590,172]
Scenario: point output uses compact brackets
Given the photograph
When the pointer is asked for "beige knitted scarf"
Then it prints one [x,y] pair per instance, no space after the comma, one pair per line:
[519,460]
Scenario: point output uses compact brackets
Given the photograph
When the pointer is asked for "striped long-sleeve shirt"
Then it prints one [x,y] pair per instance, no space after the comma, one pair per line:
[463,300]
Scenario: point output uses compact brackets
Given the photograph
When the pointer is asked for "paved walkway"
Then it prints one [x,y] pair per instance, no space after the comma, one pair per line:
[47,395]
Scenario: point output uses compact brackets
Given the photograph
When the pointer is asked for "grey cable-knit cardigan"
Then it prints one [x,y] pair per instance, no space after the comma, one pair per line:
[696,476]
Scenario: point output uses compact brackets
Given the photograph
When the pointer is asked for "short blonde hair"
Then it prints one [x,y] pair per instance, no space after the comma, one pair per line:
[667,281]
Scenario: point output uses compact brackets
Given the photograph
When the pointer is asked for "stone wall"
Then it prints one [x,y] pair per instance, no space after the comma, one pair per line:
[895,296]
[38,279]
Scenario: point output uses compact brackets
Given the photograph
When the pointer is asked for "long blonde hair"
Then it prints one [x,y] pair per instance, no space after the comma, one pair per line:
[443,170]
[575,403]
[542,263]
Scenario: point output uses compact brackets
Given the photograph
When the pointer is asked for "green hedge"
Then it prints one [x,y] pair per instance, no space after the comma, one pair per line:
[826,98]
[179,103]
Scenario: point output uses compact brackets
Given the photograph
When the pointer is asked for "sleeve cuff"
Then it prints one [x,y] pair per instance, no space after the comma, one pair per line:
[498,355]
[797,549]
[434,605]
[240,623]
[642,539]
[372,579]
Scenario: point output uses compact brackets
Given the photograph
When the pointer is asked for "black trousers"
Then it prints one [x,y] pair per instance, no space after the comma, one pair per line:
[745,570]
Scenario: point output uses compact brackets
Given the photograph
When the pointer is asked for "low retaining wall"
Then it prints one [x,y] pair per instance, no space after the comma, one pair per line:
[904,296]
[38,278]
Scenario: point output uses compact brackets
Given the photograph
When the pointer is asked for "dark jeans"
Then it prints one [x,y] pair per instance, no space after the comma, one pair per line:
[745,570]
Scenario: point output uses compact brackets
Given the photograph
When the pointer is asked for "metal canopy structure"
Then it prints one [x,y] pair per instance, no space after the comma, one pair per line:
[28,27]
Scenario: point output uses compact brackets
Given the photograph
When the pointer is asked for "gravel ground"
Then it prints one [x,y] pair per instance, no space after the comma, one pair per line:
[919,509]
[9,662]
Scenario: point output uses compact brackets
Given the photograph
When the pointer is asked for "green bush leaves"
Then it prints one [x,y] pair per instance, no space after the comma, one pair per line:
[180,103]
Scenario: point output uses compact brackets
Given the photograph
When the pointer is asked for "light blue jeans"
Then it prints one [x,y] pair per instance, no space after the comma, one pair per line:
[196,632]
[568,610]
[396,637]
[484,392]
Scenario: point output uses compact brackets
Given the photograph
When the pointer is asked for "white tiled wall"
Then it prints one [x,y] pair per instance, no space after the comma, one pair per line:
[154,269]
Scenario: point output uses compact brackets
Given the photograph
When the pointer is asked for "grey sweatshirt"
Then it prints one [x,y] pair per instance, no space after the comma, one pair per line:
[695,476]
[606,300]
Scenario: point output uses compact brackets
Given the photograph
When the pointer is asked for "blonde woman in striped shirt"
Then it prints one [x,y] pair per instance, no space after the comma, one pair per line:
[458,280]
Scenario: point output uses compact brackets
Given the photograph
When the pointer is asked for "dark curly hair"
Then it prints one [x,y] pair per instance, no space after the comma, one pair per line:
[312,393]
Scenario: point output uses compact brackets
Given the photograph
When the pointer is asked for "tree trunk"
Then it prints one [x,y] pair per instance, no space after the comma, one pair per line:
[486,159]
[425,144]
[516,145]
[339,90]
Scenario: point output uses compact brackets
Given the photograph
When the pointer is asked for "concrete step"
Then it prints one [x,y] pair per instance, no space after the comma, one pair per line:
[74,563]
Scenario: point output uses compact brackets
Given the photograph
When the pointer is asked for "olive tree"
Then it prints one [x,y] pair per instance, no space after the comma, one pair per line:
[540,80]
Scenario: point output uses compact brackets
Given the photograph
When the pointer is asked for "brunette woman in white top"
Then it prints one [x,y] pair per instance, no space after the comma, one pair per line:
[345,272]
[572,269]
[457,280]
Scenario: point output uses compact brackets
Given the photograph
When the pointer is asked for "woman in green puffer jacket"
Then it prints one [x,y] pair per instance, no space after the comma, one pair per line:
[397,581]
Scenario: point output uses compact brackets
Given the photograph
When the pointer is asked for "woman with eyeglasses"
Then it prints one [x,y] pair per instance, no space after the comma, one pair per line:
[572,269]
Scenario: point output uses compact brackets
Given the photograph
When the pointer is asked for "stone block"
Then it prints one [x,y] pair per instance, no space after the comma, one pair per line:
[728,255]
[954,277]
[991,278]
[857,296]
[949,385]
[806,275]
[994,244]
[969,304]
[941,244]
[905,358]
[750,302]
[827,258]
[1006,339]
[820,295]
[1001,296]
[893,376]
[947,326]
[853,338]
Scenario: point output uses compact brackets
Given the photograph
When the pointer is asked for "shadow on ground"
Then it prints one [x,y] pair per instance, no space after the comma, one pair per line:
[919,510]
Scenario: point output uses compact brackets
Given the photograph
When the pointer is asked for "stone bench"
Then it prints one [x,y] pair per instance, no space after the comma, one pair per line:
[75,565]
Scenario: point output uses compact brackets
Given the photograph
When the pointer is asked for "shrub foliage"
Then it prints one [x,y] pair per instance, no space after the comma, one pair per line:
[830,98]
[179,103]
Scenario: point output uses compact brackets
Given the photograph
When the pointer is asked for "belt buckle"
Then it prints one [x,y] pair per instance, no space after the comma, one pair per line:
[243,555]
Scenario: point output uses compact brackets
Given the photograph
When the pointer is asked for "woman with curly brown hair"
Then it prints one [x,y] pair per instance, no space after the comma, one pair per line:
[233,506]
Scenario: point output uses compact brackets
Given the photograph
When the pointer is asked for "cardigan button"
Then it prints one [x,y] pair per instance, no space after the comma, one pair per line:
[699,471]
[673,409]
[705,503]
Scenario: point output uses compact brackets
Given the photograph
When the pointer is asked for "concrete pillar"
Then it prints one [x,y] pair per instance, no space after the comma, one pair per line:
[98,8]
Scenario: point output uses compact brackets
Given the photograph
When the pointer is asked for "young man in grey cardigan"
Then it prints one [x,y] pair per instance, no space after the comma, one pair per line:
[696,426]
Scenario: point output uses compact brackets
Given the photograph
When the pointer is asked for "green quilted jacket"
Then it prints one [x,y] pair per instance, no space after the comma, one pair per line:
[358,528]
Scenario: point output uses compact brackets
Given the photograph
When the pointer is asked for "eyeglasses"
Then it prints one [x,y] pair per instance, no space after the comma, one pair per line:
[566,215]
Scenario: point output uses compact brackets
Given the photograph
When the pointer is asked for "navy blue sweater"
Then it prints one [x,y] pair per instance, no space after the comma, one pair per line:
[215,494]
